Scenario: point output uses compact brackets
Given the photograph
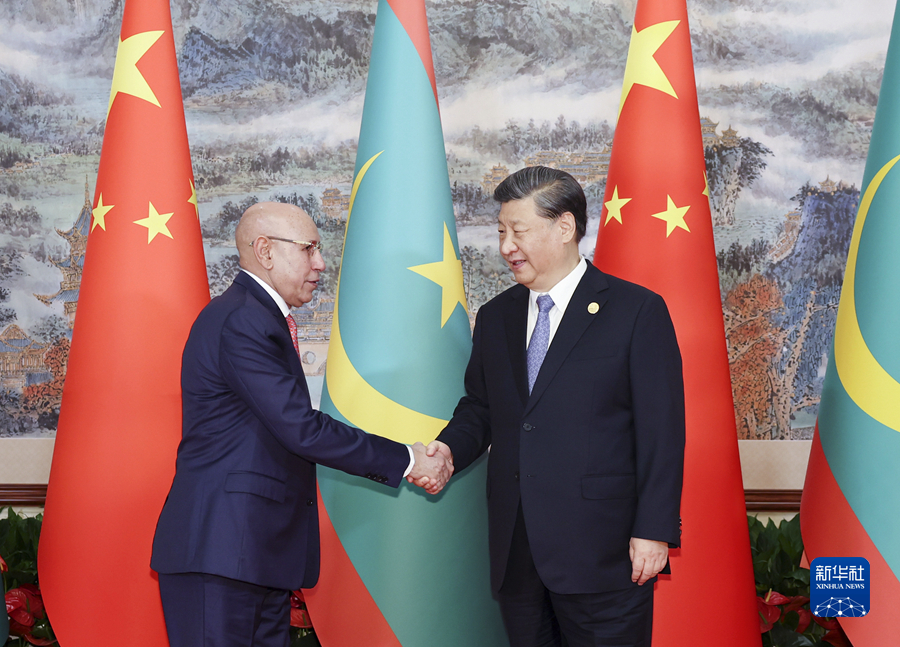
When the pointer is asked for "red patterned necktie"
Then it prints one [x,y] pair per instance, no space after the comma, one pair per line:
[293,326]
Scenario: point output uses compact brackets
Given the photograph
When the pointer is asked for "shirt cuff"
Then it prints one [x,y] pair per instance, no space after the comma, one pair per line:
[412,462]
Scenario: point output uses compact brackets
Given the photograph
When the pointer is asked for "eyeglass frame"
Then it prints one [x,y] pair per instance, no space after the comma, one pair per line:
[315,247]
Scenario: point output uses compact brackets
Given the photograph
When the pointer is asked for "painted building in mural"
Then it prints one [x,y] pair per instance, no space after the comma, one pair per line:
[21,360]
[72,264]
[335,204]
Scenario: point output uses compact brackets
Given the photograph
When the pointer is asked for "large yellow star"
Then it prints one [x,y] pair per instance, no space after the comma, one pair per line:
[99,213]
[448,274]
[193,198]
[614,206]
[641,68]
[155,223]
[674,216]
[127,78]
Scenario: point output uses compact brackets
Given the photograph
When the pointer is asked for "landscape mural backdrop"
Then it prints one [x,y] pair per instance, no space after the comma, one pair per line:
[273,93]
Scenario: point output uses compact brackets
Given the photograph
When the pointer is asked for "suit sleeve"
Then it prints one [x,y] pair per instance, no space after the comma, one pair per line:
[468,434]
[657,387]
[254,364]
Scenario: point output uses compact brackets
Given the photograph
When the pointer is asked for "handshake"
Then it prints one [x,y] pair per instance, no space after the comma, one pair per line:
[433,466]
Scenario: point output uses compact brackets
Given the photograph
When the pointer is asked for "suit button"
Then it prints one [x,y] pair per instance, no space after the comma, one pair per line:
[517,476]
[310,502]
[527,427]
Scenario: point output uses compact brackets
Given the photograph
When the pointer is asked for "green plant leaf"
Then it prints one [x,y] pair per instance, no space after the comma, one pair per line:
[781,636]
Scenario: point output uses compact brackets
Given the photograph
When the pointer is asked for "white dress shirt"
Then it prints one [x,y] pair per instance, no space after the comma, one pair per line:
[561,293]
[279,301]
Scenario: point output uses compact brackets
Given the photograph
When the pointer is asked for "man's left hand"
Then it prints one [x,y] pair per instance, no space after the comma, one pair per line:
[648,558]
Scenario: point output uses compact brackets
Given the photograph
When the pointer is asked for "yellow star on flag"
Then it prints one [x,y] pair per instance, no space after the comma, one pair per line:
[641,67]
[193,198]
[155,223]
[99,213]
[705,184]
[127,78]
[674,216]
[448,274]
[614,206]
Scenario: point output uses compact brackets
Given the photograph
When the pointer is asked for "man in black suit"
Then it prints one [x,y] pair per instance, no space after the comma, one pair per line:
[239,529]
[575,386]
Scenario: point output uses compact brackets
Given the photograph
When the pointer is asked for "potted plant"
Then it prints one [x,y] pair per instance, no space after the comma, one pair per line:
[782,588]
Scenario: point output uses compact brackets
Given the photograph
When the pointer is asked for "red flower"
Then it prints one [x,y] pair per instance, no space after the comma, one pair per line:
[805,620]
[796,603]
[299,614]
[26,615]
[836,635]
[828,623]
[774,597]
[20,608]
[768,614]
[3,566]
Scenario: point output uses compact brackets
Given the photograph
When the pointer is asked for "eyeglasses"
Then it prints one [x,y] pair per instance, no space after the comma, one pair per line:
[307,246]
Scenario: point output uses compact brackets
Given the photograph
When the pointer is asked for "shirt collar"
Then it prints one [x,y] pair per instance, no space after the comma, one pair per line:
[279,301]
[562,292]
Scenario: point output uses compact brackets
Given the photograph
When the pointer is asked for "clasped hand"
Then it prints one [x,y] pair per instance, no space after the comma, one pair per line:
[433,467]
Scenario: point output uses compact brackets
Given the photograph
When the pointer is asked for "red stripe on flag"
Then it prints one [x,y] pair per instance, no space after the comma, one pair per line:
[830,528]
[340,606]
[411,14]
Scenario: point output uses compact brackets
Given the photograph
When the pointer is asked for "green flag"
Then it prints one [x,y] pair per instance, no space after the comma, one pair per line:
[850,500]
[401,567]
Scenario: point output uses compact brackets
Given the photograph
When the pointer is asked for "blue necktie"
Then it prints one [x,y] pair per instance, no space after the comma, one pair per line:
[540,339]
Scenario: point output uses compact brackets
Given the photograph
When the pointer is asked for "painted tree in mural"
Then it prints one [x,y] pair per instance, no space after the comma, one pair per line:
[753,343]
[779,311]
[732,164]
[44,399]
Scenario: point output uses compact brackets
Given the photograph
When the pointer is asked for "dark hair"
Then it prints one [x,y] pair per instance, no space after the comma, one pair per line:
[554,192]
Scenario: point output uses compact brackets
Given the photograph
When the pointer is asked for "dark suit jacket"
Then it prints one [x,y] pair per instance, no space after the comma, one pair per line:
[595,453]
[243,501]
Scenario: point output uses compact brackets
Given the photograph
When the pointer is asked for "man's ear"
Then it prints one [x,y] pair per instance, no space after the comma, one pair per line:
[566,224]
[262,250]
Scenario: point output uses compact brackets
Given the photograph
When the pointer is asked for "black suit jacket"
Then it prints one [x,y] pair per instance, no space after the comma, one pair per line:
[595,453]
[243,501]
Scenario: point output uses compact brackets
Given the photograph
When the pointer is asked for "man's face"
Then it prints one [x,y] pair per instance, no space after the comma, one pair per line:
[532,246]
[295,274]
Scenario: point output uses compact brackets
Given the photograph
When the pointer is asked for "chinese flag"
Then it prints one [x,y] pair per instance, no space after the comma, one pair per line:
[143,284]
[656,230]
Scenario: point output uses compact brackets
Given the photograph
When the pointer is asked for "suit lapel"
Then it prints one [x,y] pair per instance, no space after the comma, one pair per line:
[516,322]
[255,289]
[247,282]
[591,289]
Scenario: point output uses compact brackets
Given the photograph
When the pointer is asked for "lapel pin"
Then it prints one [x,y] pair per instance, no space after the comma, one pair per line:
[593,308]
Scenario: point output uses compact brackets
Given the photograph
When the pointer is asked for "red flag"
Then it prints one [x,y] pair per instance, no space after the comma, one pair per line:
[143,284]
[656,230]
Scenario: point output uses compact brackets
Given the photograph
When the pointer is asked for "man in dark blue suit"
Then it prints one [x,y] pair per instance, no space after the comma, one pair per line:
[575,385]
[239,529]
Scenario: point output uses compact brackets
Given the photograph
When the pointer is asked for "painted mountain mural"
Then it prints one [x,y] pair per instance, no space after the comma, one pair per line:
[273,94]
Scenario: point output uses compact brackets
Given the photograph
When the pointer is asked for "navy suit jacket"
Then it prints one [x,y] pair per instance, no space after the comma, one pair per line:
[595,453]
[243,501]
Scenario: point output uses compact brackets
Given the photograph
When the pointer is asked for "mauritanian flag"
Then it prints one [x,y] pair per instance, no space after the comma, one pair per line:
[851,499]
[144,282]
[656,230]
[401,567]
